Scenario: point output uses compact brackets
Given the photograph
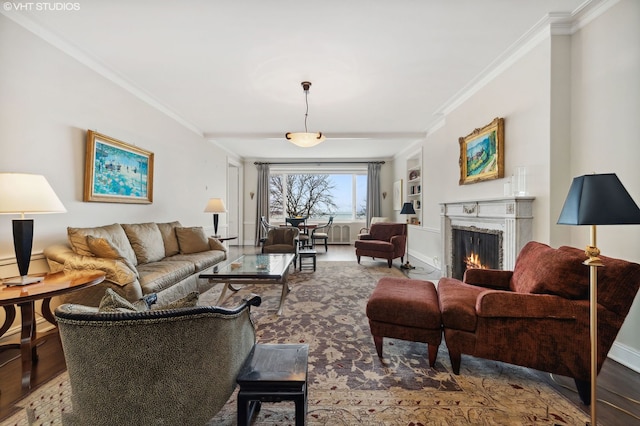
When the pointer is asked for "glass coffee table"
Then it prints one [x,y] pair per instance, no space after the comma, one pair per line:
[252,269]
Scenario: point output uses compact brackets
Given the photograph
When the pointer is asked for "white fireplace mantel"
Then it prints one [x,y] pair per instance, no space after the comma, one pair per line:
[511,215]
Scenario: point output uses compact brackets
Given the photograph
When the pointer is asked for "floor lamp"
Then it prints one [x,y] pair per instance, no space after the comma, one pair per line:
[407,208]
[215,206]
[22,193]
[597,199]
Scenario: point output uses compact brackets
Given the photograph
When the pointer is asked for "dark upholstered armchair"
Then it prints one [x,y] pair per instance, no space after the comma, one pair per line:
[170,367]
[537,315]
[384,241]
[284,239]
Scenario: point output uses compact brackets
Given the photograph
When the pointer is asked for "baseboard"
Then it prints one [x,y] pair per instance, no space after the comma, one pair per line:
[429,261]
[625,355]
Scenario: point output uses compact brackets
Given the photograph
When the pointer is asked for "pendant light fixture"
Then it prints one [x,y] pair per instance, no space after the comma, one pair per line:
[305,139]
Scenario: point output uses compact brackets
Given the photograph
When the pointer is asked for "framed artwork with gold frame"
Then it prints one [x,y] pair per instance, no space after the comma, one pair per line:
[482,153]
[116,172]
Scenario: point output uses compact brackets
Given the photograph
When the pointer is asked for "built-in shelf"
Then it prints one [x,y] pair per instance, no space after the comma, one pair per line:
[414,186]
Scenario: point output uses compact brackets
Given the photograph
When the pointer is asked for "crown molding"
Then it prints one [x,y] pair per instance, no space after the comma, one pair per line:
[557,23]
[94,64]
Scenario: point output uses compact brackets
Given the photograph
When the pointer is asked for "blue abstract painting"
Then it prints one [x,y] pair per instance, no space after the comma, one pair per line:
[117,172]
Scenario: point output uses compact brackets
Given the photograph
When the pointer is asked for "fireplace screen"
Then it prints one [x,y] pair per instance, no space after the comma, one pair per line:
[475,248]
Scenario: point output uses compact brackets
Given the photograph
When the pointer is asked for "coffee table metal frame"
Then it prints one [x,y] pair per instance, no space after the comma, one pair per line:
[252,269]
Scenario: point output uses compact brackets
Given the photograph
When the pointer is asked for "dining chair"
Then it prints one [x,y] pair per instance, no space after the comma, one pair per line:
[266,226]
[303,237]
[322,233]
[296,221]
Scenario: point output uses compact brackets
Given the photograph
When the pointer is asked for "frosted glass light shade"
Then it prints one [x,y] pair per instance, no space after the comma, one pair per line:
[305,140]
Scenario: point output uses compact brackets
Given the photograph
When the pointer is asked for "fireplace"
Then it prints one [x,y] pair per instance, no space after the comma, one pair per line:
[475,248]
[496,228]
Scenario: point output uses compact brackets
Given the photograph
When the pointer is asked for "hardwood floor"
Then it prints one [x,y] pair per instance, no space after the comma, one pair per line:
[614,377]
[50,364]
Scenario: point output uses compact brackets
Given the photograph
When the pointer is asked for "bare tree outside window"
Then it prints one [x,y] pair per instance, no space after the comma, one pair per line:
[306,195]
[276,194]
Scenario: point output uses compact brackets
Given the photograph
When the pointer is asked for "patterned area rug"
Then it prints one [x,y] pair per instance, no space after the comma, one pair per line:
[348,383]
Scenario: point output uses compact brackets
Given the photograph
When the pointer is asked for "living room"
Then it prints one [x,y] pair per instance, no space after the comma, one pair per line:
[568,94]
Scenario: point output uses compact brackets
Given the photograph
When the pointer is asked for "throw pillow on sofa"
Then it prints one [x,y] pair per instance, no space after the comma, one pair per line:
[113,302]
[114,233]
[146,241]
[168,232]
[102,247]
[216,244]
[187,301]
[192,240]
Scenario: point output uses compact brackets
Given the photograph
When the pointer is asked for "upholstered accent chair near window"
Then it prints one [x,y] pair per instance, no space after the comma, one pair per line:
[537,315]
[322,233]
[384,241]
[284,239]
[167,366]
[375,219]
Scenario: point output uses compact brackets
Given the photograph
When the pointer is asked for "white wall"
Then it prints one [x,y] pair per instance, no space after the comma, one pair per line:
[571,106]
[527,143]
[605,127]
[48,100]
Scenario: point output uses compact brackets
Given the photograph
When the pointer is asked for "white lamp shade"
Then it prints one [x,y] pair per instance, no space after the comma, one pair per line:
[26,193]
[215,205]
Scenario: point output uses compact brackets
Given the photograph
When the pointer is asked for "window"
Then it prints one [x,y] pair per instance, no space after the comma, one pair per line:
[317,194]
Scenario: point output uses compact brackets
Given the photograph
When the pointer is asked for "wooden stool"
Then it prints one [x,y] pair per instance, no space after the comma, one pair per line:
[405,309]
[273,373]
[307,254]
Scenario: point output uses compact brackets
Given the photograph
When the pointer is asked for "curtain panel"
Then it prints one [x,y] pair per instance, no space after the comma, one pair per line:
[262,199]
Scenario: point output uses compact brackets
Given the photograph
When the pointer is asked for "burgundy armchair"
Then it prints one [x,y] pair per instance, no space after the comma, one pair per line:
[537,315]
[384,241]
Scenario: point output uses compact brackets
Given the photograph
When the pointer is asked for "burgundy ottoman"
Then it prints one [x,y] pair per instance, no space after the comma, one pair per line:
[405,309]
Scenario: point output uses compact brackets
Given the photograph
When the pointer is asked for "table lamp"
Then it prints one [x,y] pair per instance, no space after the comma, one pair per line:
[597,199]
[407,208]
[22,193]
[215,206]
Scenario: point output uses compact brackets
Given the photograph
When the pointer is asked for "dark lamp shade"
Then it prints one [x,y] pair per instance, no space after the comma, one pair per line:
[407,208]
[599,200]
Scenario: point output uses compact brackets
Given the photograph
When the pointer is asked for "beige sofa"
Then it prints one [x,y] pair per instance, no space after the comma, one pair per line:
[138,259]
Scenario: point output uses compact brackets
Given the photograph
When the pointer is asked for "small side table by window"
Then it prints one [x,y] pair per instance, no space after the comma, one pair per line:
[307,254]
[273,373]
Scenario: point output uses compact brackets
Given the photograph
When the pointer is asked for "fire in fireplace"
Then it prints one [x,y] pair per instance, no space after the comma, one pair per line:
[475,248]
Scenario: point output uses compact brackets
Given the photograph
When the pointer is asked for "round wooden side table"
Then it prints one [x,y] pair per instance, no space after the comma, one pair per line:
[25,296]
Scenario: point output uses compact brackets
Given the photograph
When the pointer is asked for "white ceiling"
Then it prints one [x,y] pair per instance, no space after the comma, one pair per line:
[382,72]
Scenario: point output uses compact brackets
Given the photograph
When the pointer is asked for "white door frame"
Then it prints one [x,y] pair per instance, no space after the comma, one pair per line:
[235,206]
